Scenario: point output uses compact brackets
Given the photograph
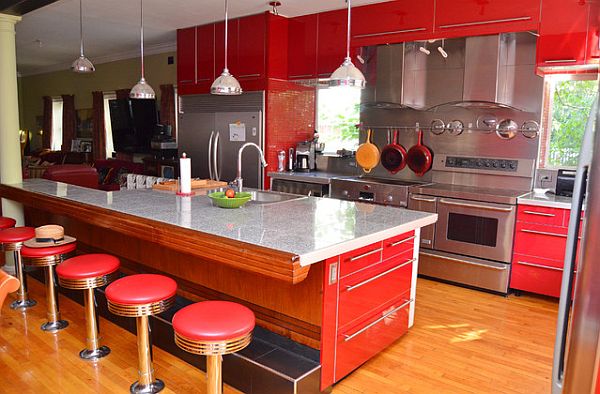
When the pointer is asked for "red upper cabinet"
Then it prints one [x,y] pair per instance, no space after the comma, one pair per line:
[302,44]
[251,47]
[563,33]
[393,21]
[593,42]
[205,54]
[454,18]
[331,43]
[186,56]
[232,47]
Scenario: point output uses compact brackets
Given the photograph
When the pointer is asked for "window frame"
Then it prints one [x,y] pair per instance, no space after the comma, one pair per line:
[56,140]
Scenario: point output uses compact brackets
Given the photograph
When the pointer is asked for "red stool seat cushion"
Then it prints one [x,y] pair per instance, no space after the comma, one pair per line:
[26,251]
[214,321]
[16,234]
[88,266]
[7,222]
[141,289]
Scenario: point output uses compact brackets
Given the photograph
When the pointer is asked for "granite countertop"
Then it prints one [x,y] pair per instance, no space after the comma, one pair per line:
[311,228]
[320,177]
[545,200]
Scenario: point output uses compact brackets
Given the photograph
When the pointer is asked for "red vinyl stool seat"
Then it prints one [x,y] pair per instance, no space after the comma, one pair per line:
[140,296]
[88,272]
[7,222]
[47,258]
[12,240]
[213,328]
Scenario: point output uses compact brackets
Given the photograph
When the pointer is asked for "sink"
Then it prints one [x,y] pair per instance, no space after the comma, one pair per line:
[266,197]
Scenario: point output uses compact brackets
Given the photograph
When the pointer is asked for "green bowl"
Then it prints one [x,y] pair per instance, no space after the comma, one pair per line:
[222,201]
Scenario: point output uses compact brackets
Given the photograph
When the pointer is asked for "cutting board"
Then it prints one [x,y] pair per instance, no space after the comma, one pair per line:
[206,184]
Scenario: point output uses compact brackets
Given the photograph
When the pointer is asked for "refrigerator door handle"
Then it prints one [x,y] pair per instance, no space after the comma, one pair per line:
[216,158]
[210,146]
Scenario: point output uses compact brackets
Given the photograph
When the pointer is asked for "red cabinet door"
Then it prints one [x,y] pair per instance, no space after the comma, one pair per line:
[186,56]
[455,18]
[393,21]
[205,54]
[331,44]
[539,240]
[232,47]
[302,47]
[563,33]
[536,275]
[251,53]
[593,46]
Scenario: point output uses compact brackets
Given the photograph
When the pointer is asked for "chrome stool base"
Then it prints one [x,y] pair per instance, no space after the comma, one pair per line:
[94,355]
[54,326]
[156,386]
[23,304]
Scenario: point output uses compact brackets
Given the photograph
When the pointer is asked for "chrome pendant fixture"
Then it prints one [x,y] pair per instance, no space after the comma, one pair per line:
[347,74]
[82,64]
[226,84]
[142,90]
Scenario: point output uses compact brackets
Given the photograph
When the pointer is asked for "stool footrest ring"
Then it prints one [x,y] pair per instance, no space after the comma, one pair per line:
[213,348]
[153,308]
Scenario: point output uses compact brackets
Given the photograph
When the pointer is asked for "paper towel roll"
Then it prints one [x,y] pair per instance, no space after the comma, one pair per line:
[185,174]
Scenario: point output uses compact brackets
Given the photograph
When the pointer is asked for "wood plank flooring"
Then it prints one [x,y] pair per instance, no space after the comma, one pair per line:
[463,341]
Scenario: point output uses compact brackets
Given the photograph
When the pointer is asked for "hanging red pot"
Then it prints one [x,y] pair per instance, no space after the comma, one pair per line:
[419,158]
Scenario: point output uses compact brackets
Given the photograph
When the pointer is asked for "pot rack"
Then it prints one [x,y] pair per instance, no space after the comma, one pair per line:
[417,127]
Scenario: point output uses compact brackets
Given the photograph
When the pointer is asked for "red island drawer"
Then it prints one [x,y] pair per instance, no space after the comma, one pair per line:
[398,245]
[359,259]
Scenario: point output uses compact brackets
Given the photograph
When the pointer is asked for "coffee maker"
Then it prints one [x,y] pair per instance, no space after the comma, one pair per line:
[306,156]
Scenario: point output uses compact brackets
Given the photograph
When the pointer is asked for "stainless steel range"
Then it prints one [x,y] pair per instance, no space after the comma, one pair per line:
[376,190]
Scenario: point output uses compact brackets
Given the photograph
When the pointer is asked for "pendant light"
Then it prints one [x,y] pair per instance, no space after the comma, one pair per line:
[142,90]
[82,64]
[347,74]
[226,84]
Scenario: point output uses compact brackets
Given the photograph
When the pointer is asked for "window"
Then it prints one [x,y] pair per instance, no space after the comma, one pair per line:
[108,137]
[338,113]
[57,120]
[567,105]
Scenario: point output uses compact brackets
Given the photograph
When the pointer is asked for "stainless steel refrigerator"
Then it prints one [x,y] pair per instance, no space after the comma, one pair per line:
[577,347]
[213,128]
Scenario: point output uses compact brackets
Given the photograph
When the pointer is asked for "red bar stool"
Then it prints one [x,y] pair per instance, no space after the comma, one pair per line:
[48,258]
[87,272]
[7,222]
[140,296]
[12,241]
[213,328]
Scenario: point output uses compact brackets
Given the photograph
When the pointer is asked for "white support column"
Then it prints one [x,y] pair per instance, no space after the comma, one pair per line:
[10,148]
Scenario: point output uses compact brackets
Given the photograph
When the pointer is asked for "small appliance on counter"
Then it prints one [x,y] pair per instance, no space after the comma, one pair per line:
[306,156]
[565,180]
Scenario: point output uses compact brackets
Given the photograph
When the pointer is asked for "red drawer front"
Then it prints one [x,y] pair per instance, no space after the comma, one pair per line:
[359,343]
[568,218]
[398,245]
[548,242]
[370,289]
[541,215]
[359,259]
[536,275]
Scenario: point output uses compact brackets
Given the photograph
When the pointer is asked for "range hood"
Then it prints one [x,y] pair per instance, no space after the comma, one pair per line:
[494,68]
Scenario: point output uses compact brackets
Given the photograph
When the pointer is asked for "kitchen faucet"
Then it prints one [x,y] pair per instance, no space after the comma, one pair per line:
[238,180]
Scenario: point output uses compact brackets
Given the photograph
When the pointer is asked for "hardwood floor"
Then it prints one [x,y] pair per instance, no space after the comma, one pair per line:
[463,341]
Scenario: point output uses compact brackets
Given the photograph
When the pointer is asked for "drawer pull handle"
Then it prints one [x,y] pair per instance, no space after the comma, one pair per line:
[476,206]
[186,81]
[382,318]
[360,256]
[248,75]
[560,61]
[402,241]
[390,32]
[301,76]
[466,24]
[356,286]
[550,215]
[503,268]
[539,266]
[543,233]
[415,198]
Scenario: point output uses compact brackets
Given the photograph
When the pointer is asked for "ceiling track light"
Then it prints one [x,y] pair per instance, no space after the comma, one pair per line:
[226,84]
[82,64]
[274,5]
[442,51]
[347,74]
[425,50]
[142,90]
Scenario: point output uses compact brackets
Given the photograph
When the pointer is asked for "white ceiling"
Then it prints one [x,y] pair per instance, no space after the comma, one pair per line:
[48,38]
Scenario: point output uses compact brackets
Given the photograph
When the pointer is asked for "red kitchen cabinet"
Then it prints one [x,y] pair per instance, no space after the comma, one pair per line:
[331,44]
[186,56]
[251,47]
[392,21]
[563,33]
[593,42]
[232,47]
[536,275]
[543,241]
[205,54]
[455,18]
[541,215]
[359,259]
[302,44]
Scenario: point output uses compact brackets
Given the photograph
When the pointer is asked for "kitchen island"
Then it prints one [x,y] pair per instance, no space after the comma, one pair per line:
[335,275]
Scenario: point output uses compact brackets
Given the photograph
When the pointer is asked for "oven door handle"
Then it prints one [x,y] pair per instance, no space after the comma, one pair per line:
[475,206]
[423,199]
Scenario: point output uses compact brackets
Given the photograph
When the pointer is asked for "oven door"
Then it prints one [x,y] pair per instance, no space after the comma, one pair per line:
[476,229]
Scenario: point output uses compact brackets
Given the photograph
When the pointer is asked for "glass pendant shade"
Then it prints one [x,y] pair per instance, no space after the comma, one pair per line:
[82,65]
[347,75]
[142,90]
[226,85]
